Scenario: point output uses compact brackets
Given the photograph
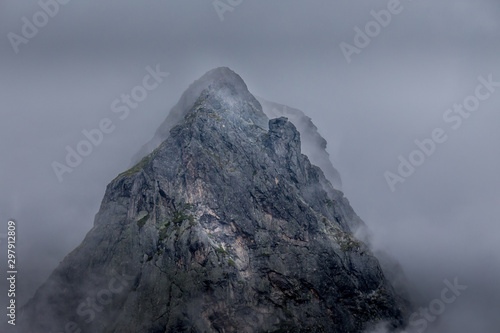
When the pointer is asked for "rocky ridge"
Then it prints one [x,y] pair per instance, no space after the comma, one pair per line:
[224,227]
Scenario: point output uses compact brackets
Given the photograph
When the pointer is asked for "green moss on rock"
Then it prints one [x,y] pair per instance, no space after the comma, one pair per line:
[142,218]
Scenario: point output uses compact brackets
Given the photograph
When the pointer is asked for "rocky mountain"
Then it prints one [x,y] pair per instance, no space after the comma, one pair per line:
[224,227]
[312,143]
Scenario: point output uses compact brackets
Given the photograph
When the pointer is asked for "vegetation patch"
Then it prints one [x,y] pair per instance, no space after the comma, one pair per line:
[164,230]
[221,250]
[346,241]
[142,219]
[176,219]
[139,166]
[180,215]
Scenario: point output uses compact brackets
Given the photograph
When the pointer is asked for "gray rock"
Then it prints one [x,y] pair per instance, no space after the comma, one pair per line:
[225,227]
[313,144]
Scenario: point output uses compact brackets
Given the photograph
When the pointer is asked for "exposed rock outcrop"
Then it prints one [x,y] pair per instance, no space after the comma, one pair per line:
[225,227]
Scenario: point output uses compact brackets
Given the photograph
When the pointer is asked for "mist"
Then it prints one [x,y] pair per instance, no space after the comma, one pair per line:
[371,105]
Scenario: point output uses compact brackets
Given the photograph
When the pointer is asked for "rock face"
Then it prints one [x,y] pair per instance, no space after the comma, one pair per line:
[313,145]
[225,227]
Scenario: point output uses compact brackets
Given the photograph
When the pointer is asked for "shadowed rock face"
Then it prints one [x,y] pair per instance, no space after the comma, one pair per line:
[225,227]
[313,145]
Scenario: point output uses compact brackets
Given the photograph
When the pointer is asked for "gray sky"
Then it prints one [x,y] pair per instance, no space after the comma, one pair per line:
[441,223]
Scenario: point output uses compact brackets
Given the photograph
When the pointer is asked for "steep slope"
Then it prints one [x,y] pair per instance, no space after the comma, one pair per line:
[225,227]
[313,144]
[184,105]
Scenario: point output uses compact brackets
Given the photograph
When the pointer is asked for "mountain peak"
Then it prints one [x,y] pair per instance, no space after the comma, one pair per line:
[223,79]
[225,227]
[223,84]
[222,74]
[215,80]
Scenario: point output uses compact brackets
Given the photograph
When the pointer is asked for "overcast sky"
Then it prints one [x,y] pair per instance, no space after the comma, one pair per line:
[440,223]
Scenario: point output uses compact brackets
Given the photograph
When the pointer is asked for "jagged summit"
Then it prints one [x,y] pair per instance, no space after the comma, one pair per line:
[224,227]
[313,144]
[221,80]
